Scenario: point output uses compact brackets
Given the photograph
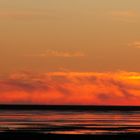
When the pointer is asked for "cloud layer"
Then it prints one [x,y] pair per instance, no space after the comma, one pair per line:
[135,44]
[118,88]
[125,15]
[55,53]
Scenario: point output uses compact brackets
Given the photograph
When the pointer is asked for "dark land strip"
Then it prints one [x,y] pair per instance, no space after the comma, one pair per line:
[69,107]
[38,136]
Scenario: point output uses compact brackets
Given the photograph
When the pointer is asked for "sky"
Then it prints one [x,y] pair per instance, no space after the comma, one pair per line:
[70,52]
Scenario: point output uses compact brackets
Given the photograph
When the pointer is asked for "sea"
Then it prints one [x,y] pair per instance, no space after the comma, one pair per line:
[70,121]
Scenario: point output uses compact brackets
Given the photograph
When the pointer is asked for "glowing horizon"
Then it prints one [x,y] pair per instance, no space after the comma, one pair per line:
[73,88]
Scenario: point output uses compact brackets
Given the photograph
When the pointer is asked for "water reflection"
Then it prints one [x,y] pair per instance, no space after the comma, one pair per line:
[69,122]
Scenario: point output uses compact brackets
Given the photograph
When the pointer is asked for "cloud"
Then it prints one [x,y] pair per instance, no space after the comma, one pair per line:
[112,88]
[55,53]
[125,16]
[135,44]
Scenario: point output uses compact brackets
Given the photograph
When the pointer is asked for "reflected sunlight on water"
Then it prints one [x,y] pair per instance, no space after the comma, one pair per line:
[71,122]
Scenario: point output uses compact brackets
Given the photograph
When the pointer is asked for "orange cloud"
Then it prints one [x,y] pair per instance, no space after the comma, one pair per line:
[125,16]
[135,44]
[55,53]
[112,88]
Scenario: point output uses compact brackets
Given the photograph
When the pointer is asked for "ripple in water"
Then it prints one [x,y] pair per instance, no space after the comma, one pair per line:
[71,122]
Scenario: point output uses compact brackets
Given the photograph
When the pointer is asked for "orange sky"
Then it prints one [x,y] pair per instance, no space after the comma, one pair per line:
[91,43]
[118,88]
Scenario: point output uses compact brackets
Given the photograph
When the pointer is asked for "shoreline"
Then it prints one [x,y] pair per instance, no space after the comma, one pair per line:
[40,136]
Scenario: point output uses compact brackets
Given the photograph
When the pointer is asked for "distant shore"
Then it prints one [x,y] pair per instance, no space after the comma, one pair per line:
[70,107]
[39,136]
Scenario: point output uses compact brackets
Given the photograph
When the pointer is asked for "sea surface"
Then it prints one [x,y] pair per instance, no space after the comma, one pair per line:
[70,122]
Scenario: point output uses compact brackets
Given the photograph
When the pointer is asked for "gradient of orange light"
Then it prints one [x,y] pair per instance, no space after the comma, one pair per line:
[79,91]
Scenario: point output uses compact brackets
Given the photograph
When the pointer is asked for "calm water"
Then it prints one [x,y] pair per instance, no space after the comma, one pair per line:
[70,122]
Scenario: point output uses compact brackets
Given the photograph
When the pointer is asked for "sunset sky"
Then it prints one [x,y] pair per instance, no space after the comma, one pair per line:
[70,52]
